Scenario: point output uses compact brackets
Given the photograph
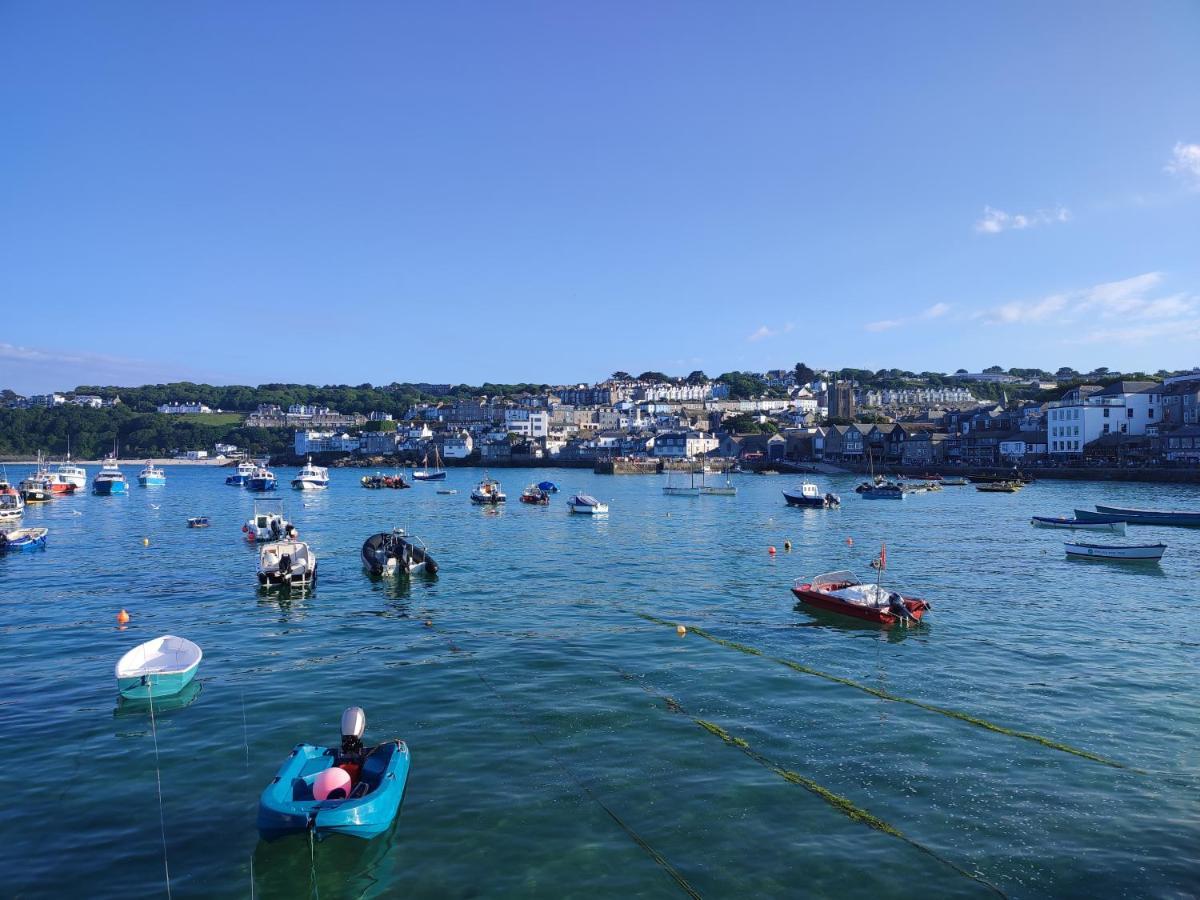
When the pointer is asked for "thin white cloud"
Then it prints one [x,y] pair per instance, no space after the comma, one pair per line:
[995,221]
[1185,164]
[936,311]
[932,312]
[883,325]
[763,332]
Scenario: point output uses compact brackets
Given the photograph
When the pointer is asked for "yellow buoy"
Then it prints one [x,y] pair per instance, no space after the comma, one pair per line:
[680,630]
[145,542]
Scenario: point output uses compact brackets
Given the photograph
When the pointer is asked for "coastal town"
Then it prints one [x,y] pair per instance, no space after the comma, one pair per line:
[788,417]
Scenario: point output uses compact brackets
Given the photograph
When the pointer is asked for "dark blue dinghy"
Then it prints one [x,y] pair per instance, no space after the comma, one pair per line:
[548,486]
[348,790]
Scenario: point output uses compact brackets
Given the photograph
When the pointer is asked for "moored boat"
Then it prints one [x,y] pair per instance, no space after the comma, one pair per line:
[23,539]
[158,668]
[437,473]
[890,490]
[286,564]
[548,486]
[198,522]
[11,504]
[999,487]
[261,480]
[378,481]
[389,553]
[110,480]
[1123,552]
[954,482]
[488,491]
[1152,516]
[535,495]
[808,494]
[71,473]
[152,475]
[242,474]
[1077,524]
[36,490]
[587,505]
[350,790]
[843,593]
[268,523]
[311,478]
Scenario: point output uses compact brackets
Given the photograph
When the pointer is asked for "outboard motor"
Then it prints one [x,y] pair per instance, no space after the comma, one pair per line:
[897,607]
[354,724]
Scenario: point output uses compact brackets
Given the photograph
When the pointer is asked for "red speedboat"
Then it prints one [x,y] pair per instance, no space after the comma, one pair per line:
[843,593]
[535,495]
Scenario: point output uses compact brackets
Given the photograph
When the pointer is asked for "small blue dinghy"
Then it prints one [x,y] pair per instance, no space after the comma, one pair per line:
[160,667]
[548,486]
[348,790]
[23,539]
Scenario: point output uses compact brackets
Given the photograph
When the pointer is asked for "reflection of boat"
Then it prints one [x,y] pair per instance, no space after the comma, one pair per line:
[311,478]
[242,474]
[808,494]
[151,475]
[488,491]
[1126,552]
[262,479]
[587,505]
[132,707]
[198,522]
[535,495]
[158,668]
[268,523]
[286,563]
[387,553]
[110,480]
[1148,516]
[347,790]
[843,593]
[23,539]
[437,474]
[1064,522]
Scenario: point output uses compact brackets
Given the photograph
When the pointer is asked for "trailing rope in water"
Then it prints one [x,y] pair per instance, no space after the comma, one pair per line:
[162,822]
[895,698]
[658,858]
[837,801]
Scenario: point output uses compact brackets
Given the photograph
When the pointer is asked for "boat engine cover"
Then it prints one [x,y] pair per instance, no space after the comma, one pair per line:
[354,722]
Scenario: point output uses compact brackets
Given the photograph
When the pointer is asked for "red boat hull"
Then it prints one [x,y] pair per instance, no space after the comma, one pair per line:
[819,600]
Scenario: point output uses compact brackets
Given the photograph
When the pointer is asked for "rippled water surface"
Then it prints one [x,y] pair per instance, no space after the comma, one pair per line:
[555,732]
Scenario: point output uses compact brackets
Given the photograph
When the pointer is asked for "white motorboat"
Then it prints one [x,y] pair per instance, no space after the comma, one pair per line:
[152,475]
[311,478]
[286,564]
[268,523]
[808,494]
[1076,524]
[70,473]
[241,477]
[1126,552]
[587,505]
[11,504]
[488,491]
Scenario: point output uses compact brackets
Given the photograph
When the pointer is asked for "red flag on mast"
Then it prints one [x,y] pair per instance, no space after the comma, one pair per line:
[883,557]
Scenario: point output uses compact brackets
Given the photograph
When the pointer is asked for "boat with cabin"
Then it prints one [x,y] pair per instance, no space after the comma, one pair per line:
[69,472]
[1119,552]
[268,523]
[350,789]
[261,479]
[395,552]
[23,539]
[311,478]
[1077,524]
[152,475]
[535,496]
[11,505]
[488,491]
[241,475]
[810,495]
[286,564]
[110,480]
[843,593]
[160,667]
[198,522]
[586,504]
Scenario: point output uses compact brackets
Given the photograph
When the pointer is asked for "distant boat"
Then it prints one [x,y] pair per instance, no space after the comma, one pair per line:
[198,522]
[69,472]
[110,480]
[1125,552]
[808,494]
[40,485]
[152,475]
[158,668]
[1016,475]
[954,482]
[23,539]
[843,593]
[286,564]
[242,475]
[716,490]
[488,491]
[379,481]
[311,478]
[691,489]
[548,486]
[11,504]
[1078,524]
[389,553]
[999,487]
[1152,516]
[268,523]
[587,505]
[448,491]
[263,479]
[535,495]
[888,491]
[425,474]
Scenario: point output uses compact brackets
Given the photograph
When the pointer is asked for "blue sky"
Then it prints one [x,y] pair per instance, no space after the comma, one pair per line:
[339,193]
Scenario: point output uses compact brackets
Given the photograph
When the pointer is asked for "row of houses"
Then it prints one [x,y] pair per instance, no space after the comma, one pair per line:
[50,401]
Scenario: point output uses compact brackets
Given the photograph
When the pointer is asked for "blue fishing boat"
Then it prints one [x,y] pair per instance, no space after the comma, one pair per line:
[349,790]
[110,480]
[263,479]
[152,475]
[23,539]
[1152,516]
[158,668]
[241,475]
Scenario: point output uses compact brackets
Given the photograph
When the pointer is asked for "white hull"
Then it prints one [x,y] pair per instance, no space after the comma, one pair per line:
[682,491]
[306,485]
[600,510]
[1098,551]
[1110,527]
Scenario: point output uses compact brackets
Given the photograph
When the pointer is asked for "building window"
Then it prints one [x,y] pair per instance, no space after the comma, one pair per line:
[1105,428]
[1129,413]
[1106,412]
[1150,413]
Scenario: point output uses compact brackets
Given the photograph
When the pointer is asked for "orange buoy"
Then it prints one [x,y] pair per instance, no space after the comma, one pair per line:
[849,542]
[771,551]
[122,617]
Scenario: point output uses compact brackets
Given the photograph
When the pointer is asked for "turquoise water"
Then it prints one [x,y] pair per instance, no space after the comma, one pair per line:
[547,761]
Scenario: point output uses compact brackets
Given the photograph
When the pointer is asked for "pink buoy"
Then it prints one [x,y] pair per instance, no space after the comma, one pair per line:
[330,780]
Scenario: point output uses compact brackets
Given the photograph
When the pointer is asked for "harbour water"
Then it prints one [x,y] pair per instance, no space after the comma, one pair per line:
[564,745]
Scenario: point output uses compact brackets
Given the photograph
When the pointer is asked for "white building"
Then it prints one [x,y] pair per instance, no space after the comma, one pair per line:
[458,447]
[1087,413]
[324,442]
[179,409]
[89,400]
[684,444]
[529,423]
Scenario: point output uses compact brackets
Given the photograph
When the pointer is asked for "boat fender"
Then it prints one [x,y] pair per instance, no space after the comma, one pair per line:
[245,529]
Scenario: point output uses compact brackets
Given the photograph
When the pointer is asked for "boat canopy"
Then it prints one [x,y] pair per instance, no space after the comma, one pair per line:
[547,485]
[585,500]
[832,578]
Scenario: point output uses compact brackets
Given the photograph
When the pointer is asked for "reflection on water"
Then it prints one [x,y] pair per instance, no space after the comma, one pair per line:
[127,708]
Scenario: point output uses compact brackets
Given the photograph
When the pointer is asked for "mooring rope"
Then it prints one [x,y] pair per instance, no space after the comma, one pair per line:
[162,822]
[838,802]
[895,698]
[641,842]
